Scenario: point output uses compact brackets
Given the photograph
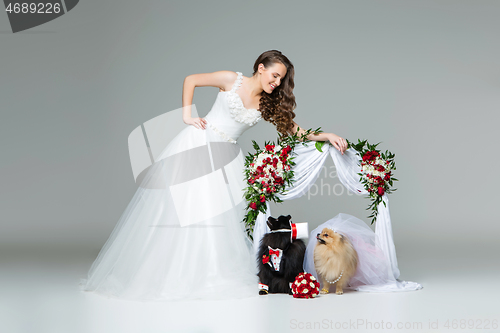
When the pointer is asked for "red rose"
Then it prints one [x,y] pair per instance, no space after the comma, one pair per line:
[262,198]
[269,147]
[370,155]
[387,176]
[253,205]
[265,259]
[380,190]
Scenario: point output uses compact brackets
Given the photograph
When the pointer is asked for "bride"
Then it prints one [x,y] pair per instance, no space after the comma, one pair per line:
[181,235]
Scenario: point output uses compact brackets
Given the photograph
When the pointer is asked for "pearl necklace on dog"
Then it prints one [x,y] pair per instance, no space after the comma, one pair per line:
[332,282]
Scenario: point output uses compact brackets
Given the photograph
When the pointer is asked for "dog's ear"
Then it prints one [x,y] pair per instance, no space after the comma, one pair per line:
[270,222]
[289,217]
[342,238]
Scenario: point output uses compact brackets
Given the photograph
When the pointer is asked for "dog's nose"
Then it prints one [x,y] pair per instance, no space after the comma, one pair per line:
[317,235]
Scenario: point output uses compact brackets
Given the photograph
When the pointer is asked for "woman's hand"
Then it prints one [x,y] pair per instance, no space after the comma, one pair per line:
[199,123]
[338,142]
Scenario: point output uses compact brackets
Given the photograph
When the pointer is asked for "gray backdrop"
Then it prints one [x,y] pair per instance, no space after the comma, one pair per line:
[420,76]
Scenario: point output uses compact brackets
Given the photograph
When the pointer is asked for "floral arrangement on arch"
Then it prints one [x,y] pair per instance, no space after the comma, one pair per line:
[376,173]
[268,171]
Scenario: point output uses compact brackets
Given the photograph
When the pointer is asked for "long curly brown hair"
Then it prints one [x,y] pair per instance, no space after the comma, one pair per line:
[277,107]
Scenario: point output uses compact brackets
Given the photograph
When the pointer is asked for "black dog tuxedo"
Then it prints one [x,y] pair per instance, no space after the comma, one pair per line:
[281,256]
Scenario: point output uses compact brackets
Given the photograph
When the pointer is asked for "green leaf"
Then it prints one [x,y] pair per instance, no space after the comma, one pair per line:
[319,145]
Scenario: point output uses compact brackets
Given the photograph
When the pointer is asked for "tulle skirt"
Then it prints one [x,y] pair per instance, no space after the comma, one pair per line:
[373,272]
[181,235]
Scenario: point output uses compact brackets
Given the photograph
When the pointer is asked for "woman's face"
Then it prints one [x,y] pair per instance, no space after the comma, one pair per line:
[270,77]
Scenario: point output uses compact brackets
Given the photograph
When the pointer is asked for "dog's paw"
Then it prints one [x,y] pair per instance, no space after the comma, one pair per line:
[263,289]
[339,292]
[324,291]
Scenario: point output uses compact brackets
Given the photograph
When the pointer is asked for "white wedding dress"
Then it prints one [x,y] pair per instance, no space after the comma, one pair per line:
[181,236]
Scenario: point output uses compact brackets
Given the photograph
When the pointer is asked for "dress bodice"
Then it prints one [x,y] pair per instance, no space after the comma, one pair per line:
[228,117]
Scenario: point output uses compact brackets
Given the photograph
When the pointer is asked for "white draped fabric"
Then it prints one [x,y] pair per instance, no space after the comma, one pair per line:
[309,162]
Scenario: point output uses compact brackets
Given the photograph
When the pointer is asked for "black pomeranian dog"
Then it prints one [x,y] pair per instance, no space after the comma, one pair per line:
[280,259]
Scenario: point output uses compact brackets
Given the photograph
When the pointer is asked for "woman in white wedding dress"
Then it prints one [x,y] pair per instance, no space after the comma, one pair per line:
[181,236]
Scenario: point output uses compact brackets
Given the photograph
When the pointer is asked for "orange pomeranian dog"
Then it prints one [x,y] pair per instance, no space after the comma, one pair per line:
[335,260]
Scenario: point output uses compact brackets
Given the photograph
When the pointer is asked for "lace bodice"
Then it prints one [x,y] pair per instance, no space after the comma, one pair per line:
[236,107]
[228,117]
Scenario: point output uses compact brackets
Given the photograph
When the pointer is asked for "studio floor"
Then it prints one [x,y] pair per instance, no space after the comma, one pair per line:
[39,288]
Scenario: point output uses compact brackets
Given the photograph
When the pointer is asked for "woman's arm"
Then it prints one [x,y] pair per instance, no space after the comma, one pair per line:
[335,140]
[220,79]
